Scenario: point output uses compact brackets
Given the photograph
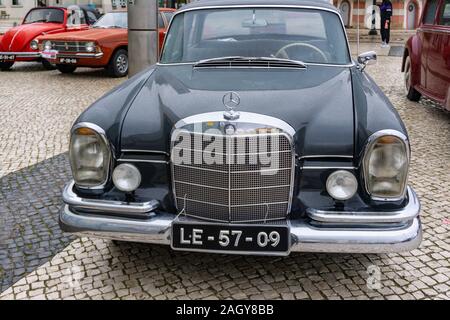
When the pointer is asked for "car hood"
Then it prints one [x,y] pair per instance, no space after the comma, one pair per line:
[18,38]
[92,34]
[317,102]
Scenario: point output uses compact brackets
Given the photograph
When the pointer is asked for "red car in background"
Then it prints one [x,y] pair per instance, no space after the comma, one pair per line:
[20,43]
[426,60]
[104,45]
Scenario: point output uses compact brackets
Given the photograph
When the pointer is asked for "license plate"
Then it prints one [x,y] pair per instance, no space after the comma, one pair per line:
[257,239]
[68,60]
[51,54]
[7,57]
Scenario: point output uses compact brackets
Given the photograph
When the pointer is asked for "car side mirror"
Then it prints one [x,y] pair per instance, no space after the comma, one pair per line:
[367,58]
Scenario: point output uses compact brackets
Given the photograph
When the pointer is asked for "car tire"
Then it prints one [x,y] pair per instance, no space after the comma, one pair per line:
[118,65]
[6,66]
[47,65]
[63,68]
[411,93]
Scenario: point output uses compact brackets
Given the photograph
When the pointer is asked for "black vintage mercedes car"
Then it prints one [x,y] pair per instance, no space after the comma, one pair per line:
[255,134]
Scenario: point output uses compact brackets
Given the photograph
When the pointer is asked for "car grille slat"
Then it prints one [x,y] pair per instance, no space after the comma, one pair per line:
[242,190]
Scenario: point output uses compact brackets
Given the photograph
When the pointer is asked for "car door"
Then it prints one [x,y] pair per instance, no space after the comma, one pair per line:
[438,76]
[425,33]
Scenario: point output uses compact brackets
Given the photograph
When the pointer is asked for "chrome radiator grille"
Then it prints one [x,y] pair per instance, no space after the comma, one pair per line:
[69,46]
[240,189]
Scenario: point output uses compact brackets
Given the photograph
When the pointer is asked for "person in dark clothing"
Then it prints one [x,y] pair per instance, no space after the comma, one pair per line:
[385,28]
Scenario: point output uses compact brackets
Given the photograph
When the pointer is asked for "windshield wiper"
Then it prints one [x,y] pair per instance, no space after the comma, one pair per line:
[243,59]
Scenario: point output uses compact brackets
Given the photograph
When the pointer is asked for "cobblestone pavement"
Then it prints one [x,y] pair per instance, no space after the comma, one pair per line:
[37,107]
[99,269]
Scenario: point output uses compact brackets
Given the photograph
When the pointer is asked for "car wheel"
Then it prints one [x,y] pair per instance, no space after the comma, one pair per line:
[63,68]
[411,93]
[118,65]
[5,66]
[47,65]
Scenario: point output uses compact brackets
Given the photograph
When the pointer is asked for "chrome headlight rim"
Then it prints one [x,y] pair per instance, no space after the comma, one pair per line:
[371,141]
[90,44]
[34,44]
[102,135]
[47,45]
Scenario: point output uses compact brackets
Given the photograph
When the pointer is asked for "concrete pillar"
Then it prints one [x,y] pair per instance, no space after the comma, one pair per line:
[142,34]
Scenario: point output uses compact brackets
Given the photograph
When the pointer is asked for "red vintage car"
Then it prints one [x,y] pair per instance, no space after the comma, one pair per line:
[426,60]
[20,43]
[104,45]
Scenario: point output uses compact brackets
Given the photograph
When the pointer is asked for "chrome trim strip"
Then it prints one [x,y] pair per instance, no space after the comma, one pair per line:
[107,206]
[409,212]
[103,136]
[325,168]
[232,206]
[304,237]
[231,189]
[76,55]
[324,156]
[332,10]
[245,117]
[444,30]
[243,171]
[145,151]
[23,54]
[143,160]
[84,55]
[231,154]
[369,144]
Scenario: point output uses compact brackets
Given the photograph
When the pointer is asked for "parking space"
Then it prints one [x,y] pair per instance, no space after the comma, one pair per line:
[38,261]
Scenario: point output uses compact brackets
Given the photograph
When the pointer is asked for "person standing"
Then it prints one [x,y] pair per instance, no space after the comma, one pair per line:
[385,28]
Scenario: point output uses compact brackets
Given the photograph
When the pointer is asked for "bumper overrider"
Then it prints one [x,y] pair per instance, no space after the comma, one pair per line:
[320,231]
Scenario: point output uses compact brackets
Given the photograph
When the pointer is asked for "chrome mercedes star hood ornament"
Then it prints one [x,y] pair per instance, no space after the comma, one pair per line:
[231,101]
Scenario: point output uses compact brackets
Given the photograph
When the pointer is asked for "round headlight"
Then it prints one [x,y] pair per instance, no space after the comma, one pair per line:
[385,165]
[90,156]
[47,45]
[90,46]
[126,177]
[34,44]
[342,185]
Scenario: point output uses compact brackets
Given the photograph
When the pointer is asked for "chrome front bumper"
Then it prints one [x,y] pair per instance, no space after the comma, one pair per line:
[74,55]
[305,236]
[22,54]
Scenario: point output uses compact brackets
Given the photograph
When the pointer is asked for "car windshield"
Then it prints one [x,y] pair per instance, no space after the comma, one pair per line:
[113,20]
[45,15]
[307,35]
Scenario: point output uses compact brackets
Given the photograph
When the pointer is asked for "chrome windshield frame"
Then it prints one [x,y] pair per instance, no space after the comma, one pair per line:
[351,63]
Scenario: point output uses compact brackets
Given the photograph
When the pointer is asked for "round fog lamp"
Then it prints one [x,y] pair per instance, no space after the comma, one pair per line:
[342,185]
[126,177]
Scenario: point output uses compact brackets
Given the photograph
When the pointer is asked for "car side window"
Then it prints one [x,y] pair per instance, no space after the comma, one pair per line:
[445,14]
[430,12]
[75,16]
[91,17]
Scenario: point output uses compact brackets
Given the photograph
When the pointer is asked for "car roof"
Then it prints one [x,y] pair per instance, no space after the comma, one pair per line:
[324,4]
